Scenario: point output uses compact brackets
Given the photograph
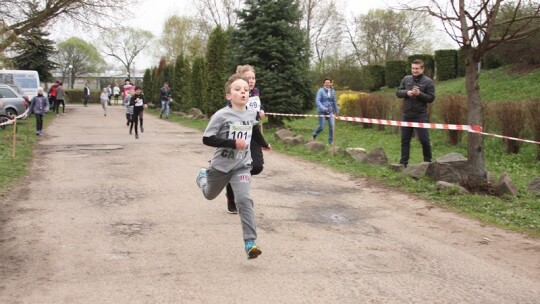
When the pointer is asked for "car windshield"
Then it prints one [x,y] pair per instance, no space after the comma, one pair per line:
[7,93]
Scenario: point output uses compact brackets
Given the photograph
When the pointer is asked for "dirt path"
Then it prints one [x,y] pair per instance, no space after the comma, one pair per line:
[106,218]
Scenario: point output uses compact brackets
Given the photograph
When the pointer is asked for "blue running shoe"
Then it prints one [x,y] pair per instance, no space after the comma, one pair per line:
[202,174]
[252,250]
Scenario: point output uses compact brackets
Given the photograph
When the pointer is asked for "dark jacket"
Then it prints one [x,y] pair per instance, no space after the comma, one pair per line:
[416,106]
[166,94]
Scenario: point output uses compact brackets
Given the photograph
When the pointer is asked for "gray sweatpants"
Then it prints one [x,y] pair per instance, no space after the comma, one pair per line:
[240,180]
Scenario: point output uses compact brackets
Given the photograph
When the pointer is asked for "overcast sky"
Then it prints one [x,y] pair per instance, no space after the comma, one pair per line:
[150,15]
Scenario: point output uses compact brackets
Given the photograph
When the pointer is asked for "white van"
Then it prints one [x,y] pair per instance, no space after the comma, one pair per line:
[27,81]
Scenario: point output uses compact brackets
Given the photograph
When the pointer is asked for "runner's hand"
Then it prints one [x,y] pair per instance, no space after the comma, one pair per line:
[241,144]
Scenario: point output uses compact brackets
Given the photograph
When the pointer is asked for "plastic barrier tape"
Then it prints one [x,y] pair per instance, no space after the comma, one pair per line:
[473,129]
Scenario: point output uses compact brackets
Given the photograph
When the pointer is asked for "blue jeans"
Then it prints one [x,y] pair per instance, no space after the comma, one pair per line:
[165,107]
[423,137]
[330,126]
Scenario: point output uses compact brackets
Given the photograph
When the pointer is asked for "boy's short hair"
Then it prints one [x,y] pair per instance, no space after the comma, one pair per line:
[418,62]
[232,79]
[138,88]
[241,69]
[327,78]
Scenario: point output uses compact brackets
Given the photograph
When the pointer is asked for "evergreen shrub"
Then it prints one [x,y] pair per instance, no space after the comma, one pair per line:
[394,72]
[374,77]
[446,64]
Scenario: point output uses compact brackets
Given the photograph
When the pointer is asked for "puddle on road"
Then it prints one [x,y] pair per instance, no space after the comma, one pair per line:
[69,148]
[332,214]
[131,229]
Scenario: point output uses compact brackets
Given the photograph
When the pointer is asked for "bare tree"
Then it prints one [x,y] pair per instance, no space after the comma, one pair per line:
[218,12]
[124,44]
[382,35]
[322,22]
[470,24]
[17,17]
[181,35]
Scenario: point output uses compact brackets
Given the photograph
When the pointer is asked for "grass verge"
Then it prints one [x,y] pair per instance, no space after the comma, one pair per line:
[520,213]
[15,155]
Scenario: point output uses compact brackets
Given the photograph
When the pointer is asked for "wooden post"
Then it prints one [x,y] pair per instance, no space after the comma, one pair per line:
[27,128]
[333,135]
[15,138]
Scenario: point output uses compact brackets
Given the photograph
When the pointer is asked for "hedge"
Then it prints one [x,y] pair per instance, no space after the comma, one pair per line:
[374,76]
[395,71]
[76,96]
[446,64]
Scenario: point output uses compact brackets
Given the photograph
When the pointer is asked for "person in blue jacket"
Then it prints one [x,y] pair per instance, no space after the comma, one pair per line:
[327,107]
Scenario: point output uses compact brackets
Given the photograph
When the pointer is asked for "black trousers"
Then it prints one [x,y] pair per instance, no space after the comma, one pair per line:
[57,105]
[423,137]
[39,122]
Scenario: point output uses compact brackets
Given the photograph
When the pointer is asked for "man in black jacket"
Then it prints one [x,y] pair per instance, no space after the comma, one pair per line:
[417,90]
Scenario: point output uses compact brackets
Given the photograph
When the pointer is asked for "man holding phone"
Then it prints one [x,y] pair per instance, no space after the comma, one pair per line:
[417,90]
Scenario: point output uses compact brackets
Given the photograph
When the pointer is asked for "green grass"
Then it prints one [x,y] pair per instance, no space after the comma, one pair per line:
[500,84]
[14,162]
[521,213]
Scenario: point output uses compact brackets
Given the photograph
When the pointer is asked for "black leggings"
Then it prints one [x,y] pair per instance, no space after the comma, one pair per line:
[135,118]
[257,166]
[57,105]
[39,121]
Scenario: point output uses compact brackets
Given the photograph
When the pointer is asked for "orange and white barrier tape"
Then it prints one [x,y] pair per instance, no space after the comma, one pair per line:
[472,129]
[11,121]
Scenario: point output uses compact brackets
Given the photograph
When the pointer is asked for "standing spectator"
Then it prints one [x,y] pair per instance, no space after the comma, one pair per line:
[52,94]
[417,90]
[60,98]
[327,107]
[39,106]
[86,94]
[166,98]
[116,92]
[229,131]
[104,98]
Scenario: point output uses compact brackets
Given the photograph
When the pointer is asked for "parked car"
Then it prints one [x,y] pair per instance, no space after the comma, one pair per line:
[14,103]
[18,90]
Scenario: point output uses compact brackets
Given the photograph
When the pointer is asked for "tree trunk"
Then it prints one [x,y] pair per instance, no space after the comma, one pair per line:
[475,147]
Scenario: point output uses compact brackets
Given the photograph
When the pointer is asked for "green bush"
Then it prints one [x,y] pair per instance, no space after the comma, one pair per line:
[394,73]
[453,109]
[446,64]
[348,106]
[373,76]
[76,96]
[429,64]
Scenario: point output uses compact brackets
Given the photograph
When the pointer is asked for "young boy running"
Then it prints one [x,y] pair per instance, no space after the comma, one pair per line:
[138,104]
[230,130]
